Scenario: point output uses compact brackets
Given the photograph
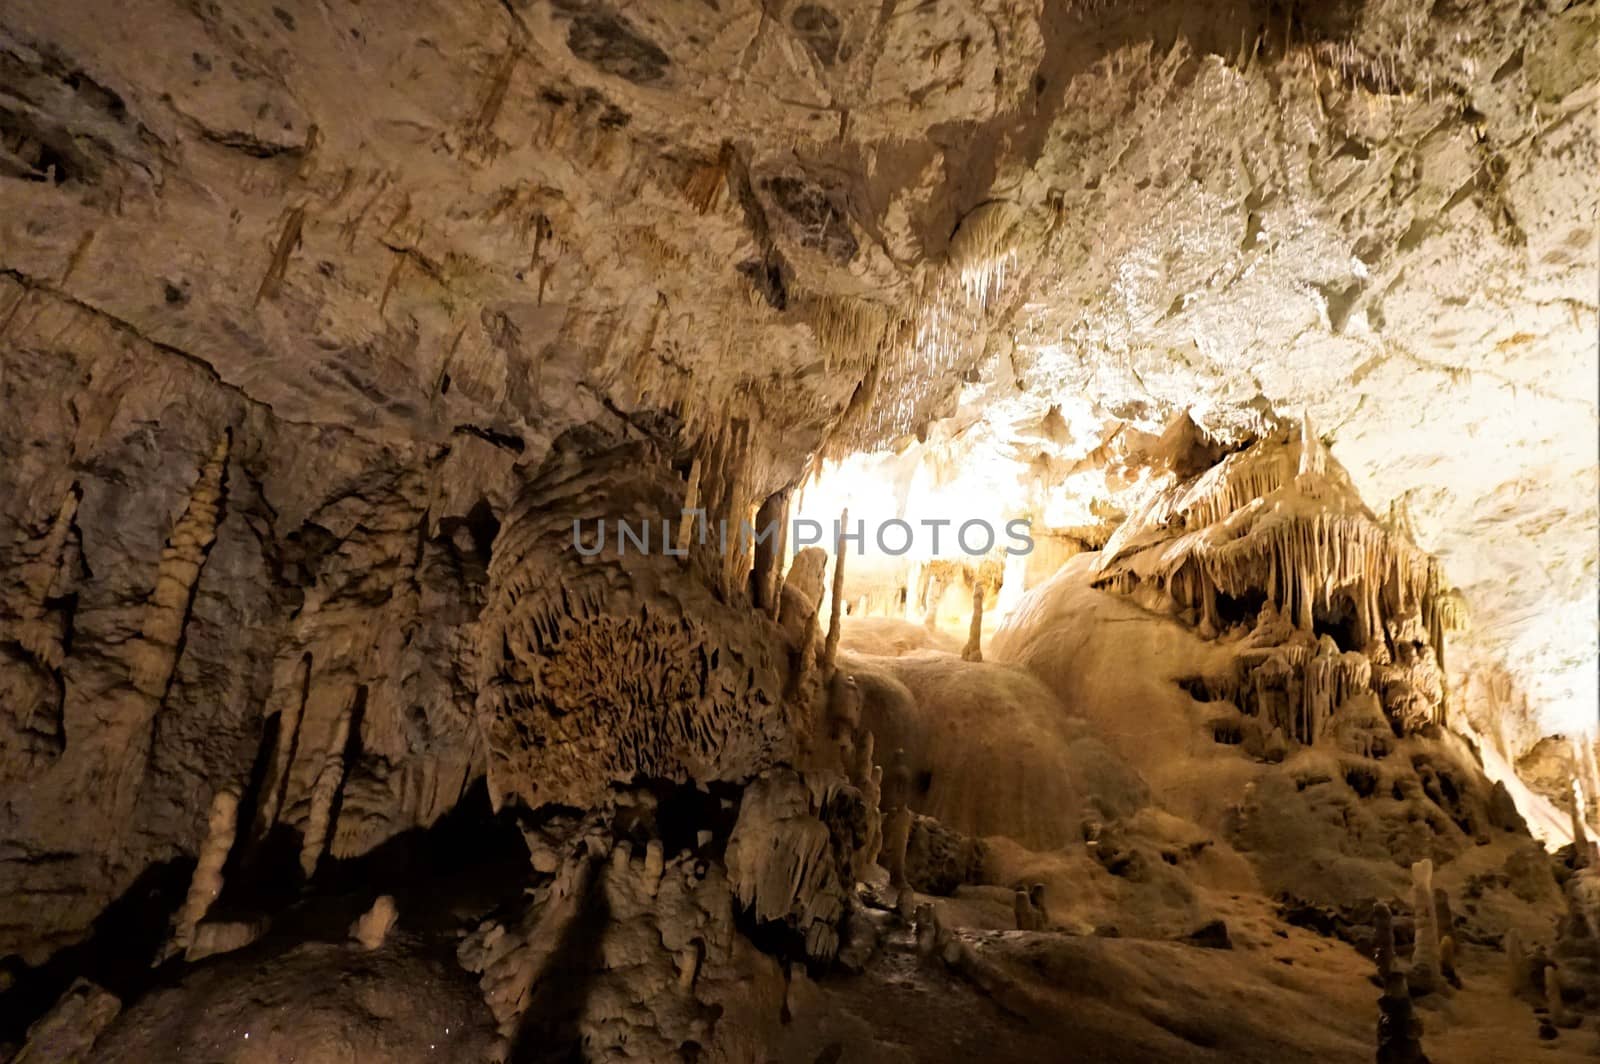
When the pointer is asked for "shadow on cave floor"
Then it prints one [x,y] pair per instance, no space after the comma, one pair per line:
[122,944]
[549,1032]
[443,878]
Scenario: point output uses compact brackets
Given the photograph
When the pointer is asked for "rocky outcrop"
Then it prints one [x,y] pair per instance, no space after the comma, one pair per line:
[603,658]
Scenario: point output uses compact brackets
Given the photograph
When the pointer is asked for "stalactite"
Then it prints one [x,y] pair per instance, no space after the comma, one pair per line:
[848,331]
[830,650]
[43,570]
[727,456]
[1580,837]
[767,575]
[289,238]
[1313,467]
[206,882]
[36,614]
[1281,519]
[324,792]
[785,863]
[291,685]
[689,959]
[1589,765]
[153,657]
[601,669]
[983,248]
[212,937]
[706,181]
[691,501]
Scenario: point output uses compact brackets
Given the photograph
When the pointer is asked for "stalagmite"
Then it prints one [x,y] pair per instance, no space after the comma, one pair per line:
[1022,911]
[1560,1015]
[1583,897]
[206,883]
[871,784]
[1425,953]
[897,818]
[1445,921]
[223,936]
[926,922]
[1383,940]
[936,576]
[1517,980]
[689,965]
[654,863]
[1399,1027]
[973,651]
[372,927]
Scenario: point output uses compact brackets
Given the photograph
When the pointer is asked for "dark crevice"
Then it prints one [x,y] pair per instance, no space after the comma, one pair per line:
[500,439]
[248,144]
[350,757]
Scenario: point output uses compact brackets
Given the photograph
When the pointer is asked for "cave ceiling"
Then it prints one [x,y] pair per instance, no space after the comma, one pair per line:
[839,226]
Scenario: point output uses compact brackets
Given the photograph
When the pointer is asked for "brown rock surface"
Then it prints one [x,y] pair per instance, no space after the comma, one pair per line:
[323,325]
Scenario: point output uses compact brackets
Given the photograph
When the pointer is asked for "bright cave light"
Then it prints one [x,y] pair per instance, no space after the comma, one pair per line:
[958,506]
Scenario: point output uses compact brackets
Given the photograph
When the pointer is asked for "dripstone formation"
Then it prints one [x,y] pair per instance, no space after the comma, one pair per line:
[406,413]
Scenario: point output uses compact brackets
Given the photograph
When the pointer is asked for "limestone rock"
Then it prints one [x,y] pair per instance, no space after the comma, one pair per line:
[68,1032]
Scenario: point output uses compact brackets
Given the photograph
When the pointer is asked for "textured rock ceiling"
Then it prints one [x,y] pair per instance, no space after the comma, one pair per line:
[393,224]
